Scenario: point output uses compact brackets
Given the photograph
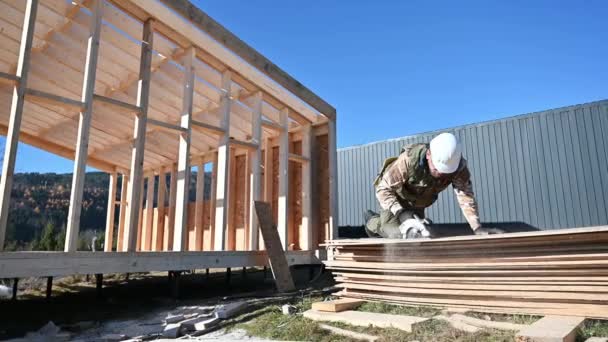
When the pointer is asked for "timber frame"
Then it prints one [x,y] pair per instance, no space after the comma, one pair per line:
[145,90]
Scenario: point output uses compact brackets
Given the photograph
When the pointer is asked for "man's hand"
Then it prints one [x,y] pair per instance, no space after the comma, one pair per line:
[488,231]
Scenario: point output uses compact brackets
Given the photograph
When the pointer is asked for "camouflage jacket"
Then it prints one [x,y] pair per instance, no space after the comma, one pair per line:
[407,183]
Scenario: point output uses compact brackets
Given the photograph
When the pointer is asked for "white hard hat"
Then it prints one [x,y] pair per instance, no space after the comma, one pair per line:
[445,152]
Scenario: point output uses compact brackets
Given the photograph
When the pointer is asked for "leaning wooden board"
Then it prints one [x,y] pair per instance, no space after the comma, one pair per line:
[272,242]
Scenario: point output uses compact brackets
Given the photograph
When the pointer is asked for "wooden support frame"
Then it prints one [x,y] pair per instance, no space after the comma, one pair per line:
[9,79]
[283,204]
[212,207]
[147,229]
[199,206]
[139,135]
[84,127]
[206,128]
[333,180]
[16,113]
[251,146]
[306,233]
[48,98]
[124,189]
[255,181]
[167,126]
[168,236]
[183,163]
[298,158]
[223,169]
[159,232]
[109,235]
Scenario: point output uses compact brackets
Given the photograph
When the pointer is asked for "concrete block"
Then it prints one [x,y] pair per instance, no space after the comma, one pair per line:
[365,319]
[171,330]
[225,311]
[551,329]
[288,309]
[206,324]
[113,337]
[174,318]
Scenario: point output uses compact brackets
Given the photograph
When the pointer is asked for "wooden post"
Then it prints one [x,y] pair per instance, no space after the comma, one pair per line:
[223,168]
[333,180]
[283,205]
[109,237]
[183,161]
[168,239]
[123,213]
[159,232]
[268,176]
[213,200]
[198,212]
[139,136]
[256,171]
[16,113]
[84,127]
[141,215]
[49,287]
[307,230]
[147,230]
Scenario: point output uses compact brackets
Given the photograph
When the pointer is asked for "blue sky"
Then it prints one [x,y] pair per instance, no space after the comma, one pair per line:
[395,68]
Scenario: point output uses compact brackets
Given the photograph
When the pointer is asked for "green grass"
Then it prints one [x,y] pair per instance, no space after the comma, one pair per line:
[420,311]
[498,317]
[593,328]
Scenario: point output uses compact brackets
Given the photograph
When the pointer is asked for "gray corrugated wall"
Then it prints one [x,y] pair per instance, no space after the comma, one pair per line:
[547,169]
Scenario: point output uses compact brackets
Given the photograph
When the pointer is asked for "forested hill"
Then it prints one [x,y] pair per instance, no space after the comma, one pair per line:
[42,200]
[39,209]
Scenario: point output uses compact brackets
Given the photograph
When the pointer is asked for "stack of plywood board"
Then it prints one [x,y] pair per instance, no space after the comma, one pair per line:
[561,272]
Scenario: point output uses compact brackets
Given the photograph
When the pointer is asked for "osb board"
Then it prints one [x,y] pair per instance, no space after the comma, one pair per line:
[238,204]
[320,193]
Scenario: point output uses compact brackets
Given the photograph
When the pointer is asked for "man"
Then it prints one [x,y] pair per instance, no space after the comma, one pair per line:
[411,182]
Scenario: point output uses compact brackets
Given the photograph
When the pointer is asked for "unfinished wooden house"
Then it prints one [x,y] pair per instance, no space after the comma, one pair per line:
[147,90]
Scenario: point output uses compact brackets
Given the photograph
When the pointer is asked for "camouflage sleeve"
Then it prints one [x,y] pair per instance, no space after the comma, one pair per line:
[390,183]
[466,198]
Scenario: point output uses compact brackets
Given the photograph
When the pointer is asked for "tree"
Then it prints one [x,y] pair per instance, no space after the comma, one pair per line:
[48,241]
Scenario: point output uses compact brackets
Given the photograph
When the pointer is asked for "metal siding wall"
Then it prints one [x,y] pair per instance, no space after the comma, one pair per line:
[546,169]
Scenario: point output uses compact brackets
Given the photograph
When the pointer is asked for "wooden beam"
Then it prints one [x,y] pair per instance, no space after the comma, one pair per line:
[16,113]
[139,135]
[306,235]
[298,158]
[140,212]
[116,103]
[159,232]
[255,180]
[165,125]
[220,34]
[84,128]
[9,79]
[223,169]
[183,161]
[123,213]
[283,204]
[52,99]
[147,229]
[251,146]
[271,125]
[333,179]
[213,201]
[203,127]
[109,237]
[268,176]
[199,206]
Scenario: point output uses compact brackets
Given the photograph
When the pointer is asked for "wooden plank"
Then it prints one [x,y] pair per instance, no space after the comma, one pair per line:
[109,235]
[268,170]
[274,247]
[84,127]
[16,113]
[159,232]
[165,125]
[199,205]
[247,53]
[298,158]
[283,201]
[116,103]
[9,79]
[223,170]
[337,305]
[255,180]
[212,207]
[251,146]
[551,329]
[137,155]
[348,333]
[183,161]
[203,127]
[123,213]
[168,237]
[147,230]
[306,235]
[365,319]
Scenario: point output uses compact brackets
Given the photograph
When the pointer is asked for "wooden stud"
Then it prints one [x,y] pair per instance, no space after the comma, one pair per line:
[268,176]
[306,235]
[183,163]
[123,213]
[166,126]
[159,232]
[199,205]
[147,230]
[139,135]
[52,99]
[256,171]
[333,180]
[168,239]
[223,169]
[283,204]
[140,226]
[116,103]
[16,113]
[109,237]
[251,146]
[298,158]
[212,207]
[203,127]
[84,127]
